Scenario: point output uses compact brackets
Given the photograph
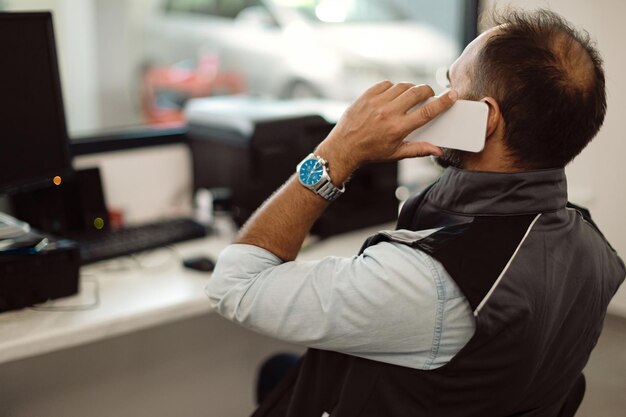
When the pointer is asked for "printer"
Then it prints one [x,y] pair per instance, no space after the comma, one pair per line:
[251,145]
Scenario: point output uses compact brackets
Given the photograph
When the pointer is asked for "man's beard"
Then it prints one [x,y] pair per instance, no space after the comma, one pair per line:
[451,158]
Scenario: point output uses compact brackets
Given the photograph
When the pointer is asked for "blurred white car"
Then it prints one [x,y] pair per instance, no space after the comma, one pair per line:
[294,48]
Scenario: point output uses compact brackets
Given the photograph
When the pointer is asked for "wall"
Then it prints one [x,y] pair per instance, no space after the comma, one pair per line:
[595,177]
[145,184]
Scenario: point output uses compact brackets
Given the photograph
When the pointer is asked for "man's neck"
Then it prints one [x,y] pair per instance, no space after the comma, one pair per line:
[493,158]
[490,166]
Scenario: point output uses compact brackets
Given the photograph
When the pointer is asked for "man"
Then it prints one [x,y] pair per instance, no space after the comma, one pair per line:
[490,296]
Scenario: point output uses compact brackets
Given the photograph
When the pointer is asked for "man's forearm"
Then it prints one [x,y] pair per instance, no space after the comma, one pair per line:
[285,219]
[372,129]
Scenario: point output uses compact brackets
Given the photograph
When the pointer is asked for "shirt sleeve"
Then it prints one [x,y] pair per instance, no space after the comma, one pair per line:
[357,305]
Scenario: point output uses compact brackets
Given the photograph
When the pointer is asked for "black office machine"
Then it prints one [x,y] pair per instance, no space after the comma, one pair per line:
[34,153]
[78,211]
[252,145]
[30,275]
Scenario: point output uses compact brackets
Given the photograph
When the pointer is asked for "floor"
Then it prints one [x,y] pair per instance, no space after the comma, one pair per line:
[204,367]
[606,373]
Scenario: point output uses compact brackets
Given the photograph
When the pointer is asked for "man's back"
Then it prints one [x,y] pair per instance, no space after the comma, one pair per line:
[538,277]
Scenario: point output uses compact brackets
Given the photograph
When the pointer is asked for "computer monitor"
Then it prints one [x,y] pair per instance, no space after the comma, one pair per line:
[34,145]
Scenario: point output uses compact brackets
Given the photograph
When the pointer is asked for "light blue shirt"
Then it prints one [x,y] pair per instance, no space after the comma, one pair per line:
[393,303]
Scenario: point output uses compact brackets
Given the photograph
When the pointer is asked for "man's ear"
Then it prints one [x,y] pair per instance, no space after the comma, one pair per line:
[494,117]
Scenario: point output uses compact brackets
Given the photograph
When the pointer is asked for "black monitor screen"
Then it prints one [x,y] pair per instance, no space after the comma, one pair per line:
[34,146]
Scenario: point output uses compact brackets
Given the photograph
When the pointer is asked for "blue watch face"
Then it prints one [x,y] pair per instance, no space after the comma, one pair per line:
[311,172]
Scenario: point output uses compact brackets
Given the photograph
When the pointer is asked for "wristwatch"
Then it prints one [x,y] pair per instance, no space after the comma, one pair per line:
[313,174]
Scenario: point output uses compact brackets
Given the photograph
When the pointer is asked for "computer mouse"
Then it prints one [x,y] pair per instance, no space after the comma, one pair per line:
[199,263]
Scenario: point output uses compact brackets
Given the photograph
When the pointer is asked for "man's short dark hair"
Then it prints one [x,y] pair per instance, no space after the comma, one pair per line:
[548,79]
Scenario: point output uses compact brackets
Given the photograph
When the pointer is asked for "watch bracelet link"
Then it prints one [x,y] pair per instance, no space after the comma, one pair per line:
[329,191]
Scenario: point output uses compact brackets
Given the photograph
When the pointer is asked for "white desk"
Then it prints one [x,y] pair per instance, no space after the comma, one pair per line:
[135,298]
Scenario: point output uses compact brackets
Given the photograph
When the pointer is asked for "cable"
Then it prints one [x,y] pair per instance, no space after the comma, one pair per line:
[140,264]
[136,261]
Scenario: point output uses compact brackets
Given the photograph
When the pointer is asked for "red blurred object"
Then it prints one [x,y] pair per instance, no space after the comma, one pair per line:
[116,218]
[176,84]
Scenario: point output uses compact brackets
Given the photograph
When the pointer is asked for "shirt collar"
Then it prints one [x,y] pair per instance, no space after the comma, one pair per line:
[490,193]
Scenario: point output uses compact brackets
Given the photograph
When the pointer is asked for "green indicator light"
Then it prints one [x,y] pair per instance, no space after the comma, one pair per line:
[98,223]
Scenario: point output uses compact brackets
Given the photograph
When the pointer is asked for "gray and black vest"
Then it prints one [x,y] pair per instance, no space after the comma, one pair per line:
[537,273]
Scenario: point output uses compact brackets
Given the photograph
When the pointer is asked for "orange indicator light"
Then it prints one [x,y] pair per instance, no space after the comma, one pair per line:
[57,180]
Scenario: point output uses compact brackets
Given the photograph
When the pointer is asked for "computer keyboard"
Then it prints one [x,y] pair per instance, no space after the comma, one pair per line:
[119,242]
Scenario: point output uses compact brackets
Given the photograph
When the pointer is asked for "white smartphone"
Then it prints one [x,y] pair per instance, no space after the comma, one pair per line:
[463,126]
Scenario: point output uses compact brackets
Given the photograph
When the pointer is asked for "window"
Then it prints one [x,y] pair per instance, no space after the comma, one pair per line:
[346,11]
[129,63]
[232,8]
[191,6]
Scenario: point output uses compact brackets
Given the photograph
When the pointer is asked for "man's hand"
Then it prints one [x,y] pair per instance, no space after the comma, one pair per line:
[372,129]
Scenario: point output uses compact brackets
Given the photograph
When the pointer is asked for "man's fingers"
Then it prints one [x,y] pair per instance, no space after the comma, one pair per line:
[412,96]
[416,149]
[429,111]
[396,91]
[376,124]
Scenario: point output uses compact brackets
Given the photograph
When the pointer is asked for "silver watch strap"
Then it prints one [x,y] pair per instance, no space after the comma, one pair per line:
[329,191]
